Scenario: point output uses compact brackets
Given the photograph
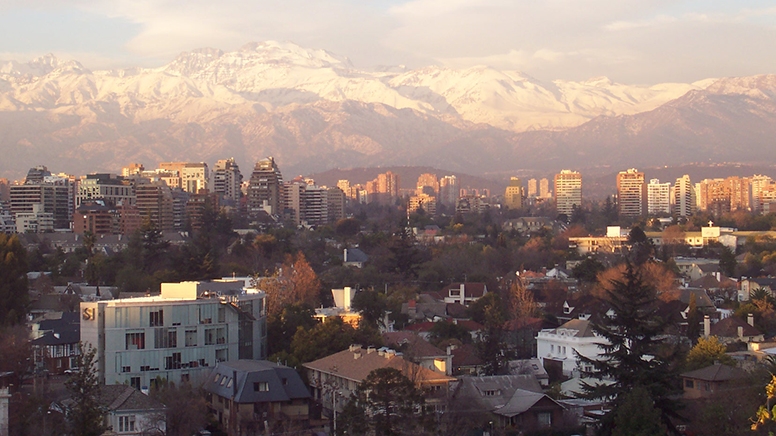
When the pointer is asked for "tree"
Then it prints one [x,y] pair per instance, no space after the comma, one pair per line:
[634,354]
[294,283]
[521,301]
[86,417]
[185,409]
[13,280]
[728,262]
[281,328]
[389,401]
[694,318]
[706,352]
[637,416]
[587,271]
[16,352]
[372,305]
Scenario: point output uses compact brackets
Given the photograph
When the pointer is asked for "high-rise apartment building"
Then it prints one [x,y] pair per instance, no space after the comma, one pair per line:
[568,191]
[265,189]
[513,195]
[335,204]
[448,190]
[759,184]
[427,184]
[631,193]
[132,169]
[533,188]
[658,197]
[194,176]
[154,203]
[109,188]
[227,179]
[684,197]
[54,194]
[422,201]
[544,188]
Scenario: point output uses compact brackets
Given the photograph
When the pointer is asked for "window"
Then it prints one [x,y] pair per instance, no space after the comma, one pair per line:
[210,336]
[126,369]
[222,355]
[126,423]
[157,318]
[261,387]
[191,338]
[545,419]
[173,362]
[688,383]
[165,338]
[135,341]
[135,382]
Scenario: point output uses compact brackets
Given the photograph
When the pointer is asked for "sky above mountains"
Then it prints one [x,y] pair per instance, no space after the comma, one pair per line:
[629,41]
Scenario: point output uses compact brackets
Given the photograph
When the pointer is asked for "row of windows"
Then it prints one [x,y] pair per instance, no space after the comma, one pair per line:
[168,338]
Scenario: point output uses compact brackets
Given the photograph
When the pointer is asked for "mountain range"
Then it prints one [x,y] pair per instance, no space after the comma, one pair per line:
[313,110]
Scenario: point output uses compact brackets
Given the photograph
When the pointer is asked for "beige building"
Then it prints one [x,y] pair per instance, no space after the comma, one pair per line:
[568,191]
[631,193]
[513,195]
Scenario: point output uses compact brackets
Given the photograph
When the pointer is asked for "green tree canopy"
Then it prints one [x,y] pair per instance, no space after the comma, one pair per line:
[86,417]
[706,352]
[637,416]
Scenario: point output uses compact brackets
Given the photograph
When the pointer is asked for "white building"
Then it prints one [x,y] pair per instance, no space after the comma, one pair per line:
[176,336]
[36,221]
[559,345]
[658,197]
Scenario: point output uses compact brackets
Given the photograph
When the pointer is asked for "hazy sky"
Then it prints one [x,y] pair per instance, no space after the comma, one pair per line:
[630,41]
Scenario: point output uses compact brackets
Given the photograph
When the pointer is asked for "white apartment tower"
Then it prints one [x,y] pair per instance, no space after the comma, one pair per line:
[448,190]
[658,197]
[631,193]
[684,197]
[568,191]
[227,179]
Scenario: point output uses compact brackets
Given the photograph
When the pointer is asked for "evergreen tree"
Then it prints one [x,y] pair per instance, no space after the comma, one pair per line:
[85,417]
[637,416]
[634,354]
[13,280]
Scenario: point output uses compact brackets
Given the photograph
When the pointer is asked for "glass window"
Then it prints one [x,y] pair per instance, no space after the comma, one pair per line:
[157,318]
[135,340]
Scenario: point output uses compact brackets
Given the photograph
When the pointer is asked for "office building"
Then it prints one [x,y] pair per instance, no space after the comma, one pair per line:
[427,184]
[631,193]
[177,336]
[448,190]
[54,198]
[544,188]
[109,188]
[155,204]
[194,176]
[568,191]
[658,198]
[533,188]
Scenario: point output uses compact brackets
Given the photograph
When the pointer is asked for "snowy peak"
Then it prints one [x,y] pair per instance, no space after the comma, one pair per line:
[40,66]
[761,86]
[292,54]
[188,63]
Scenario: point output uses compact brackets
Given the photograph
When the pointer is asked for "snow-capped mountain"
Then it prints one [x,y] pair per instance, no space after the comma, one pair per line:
[312,109]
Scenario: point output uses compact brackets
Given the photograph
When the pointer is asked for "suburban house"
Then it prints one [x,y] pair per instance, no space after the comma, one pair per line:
[335,377]
[512,401]
[418,350]
[131,412]
[556,347]
[463,293]
[733,329]
[750,285]
[354,257]
[55,344]
[342,307]
[247,394]
[712,379]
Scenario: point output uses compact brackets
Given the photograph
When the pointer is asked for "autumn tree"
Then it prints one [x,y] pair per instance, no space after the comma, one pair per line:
[294,283]
[16,352]
[634,351]
[707,352]
[521,301]
[13,280]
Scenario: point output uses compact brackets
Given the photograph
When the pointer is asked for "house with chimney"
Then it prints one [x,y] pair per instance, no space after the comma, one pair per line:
[733,329]
[558,348]
[332,379]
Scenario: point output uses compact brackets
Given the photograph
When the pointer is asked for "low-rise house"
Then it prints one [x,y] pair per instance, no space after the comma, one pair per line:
[512,401]
[750,285]
[131,412]
[558,348]
[707,381]
[342,307]
[732,329]
[335,377]
[420,351]
[246,394]
[463,293]
[55,345]
[354,257]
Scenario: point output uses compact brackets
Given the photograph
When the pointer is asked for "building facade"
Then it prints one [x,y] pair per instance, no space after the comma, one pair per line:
[631,193]
[568,191]
[265,189]
[658,198]
[513,195]
[177,336]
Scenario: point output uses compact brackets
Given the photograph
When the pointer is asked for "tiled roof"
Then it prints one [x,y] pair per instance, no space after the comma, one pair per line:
[124,397]
[520,402]
[466,355]
[728,328]
[357,364]
[582,326]
[490,393]
[416,346]
[283,383]
[716,373]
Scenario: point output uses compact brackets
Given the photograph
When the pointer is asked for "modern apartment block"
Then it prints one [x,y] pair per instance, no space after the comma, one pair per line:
[265,190]
[227,179]
[109,188]
[658,197]
[177,336]
[55,199]
[631,193]
[194,176]
[684,197]
[568,191]
[449,190]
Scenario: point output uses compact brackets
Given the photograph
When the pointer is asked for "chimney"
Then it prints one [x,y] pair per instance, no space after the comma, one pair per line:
[354,348]
[750,319]
[740,331]
[463,294]
[370,349]
[345,256]
[706,326]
